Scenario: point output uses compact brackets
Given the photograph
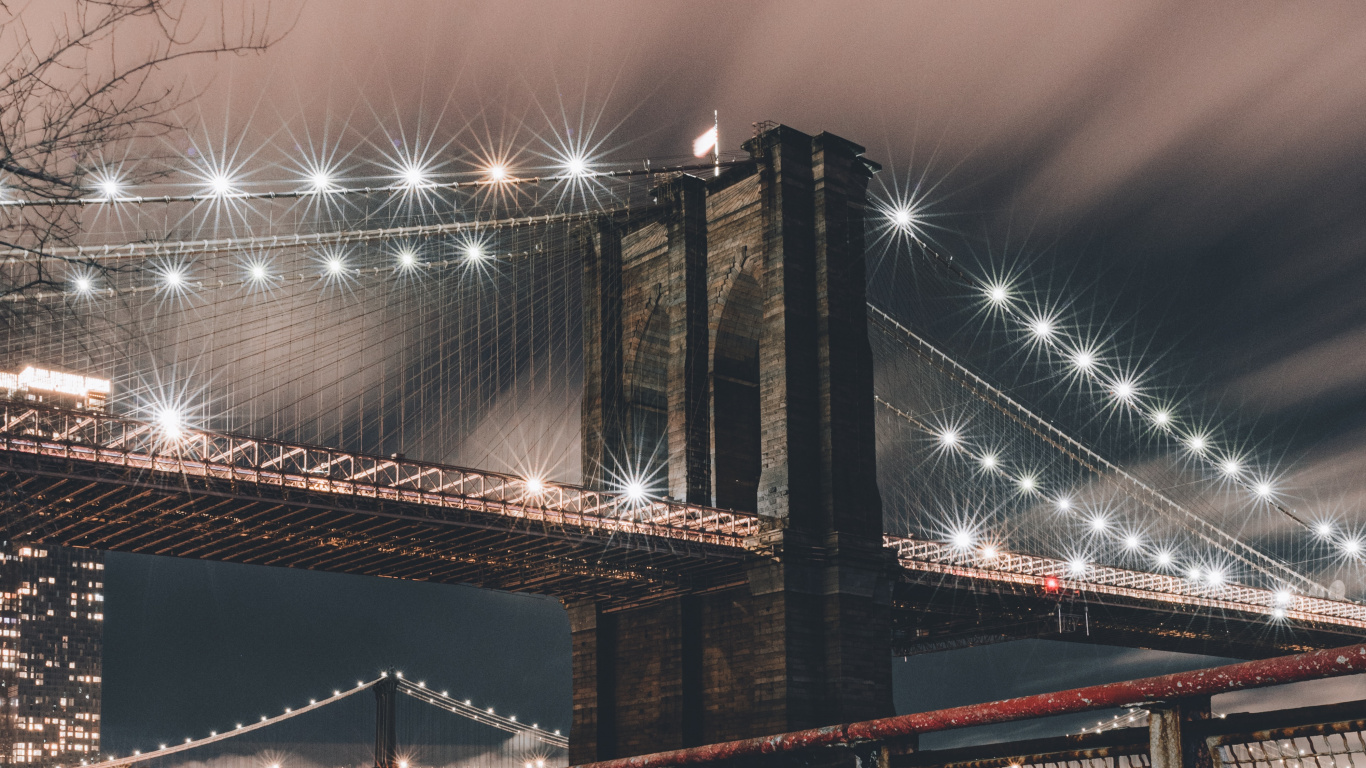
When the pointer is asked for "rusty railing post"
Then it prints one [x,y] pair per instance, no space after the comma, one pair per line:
[1172,741]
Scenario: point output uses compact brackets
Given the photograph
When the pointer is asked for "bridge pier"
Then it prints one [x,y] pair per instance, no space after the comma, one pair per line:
[386,722]
[726,350]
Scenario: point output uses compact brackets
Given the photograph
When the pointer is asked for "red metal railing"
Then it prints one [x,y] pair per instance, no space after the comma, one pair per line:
[1333,662]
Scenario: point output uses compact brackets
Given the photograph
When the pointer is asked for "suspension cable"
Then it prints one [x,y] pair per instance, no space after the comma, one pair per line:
[274,242]
[238,731]
[329,192]
[485,717]
[1080,454]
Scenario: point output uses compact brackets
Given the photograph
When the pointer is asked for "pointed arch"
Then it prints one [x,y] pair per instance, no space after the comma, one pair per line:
[735,393]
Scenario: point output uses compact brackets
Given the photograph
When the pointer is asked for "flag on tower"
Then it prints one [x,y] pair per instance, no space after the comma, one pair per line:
[704,143]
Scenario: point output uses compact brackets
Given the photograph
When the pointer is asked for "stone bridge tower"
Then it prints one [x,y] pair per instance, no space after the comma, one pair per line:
[726,343]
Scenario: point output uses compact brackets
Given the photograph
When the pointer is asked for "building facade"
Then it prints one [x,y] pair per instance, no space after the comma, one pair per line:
[51,633]
[51,617]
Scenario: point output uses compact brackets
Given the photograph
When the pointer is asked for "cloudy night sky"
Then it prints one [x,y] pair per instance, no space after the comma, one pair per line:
[1186,177]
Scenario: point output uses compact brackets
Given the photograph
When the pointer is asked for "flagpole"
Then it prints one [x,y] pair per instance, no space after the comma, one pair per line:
[716,148]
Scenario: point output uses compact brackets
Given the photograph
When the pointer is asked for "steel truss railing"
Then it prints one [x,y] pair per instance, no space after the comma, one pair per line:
[111,441]
[125,443]
[938,557]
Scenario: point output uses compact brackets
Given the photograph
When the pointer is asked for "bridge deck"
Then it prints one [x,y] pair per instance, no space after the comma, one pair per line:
[90,480]
[84,479]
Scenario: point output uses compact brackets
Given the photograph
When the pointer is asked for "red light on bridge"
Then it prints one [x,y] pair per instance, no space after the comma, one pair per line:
[1051,584]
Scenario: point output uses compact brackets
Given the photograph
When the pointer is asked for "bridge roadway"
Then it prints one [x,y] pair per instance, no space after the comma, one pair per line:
[84,479]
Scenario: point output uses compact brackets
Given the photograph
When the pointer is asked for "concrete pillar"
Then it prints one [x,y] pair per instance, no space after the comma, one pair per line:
[593,730]
[386,722]
[603,398]
[850,500]
[686,304]
[789,418]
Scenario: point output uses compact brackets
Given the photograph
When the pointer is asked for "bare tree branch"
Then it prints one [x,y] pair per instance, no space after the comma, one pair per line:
[79,85]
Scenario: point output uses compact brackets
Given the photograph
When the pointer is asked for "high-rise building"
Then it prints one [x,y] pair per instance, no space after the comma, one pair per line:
[51,617]
[51,637]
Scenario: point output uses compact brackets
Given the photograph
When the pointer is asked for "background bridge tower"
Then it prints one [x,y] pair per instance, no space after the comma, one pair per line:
[726,350]
[386,721]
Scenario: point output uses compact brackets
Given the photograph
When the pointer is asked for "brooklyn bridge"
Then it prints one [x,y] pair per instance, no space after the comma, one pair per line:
[711,422]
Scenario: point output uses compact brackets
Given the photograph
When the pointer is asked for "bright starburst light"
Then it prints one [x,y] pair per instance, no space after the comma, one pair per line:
[220,183]
[903,218]
[320,180]
[635,491]
[1123,390]
[172,278]
[998,293]
[171,422]
[413,175]
[576,166]
[336,270]
[961,538]
[497,172]
[1084,360]
[108,186]
[637,482]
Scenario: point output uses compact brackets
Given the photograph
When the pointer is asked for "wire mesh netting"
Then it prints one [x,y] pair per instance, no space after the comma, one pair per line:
[1330,748]
[1139,760]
